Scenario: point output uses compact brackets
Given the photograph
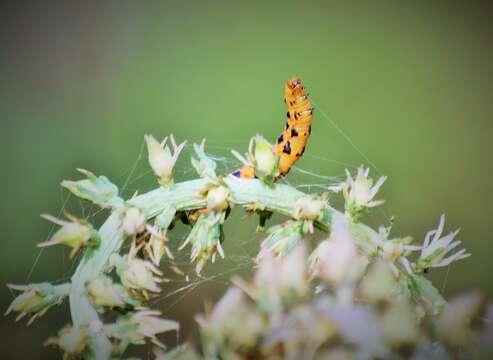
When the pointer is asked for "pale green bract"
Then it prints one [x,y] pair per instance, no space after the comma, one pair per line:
[97,189]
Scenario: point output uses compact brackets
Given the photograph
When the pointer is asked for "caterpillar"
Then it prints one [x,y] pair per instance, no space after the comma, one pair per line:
[291,144]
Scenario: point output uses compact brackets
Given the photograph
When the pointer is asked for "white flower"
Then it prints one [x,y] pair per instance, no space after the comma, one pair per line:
[277,280]
[72,340]
[134,221]
[379,283]
[137,273]
[394,250]
[400,324]
[234,319]
[359,191]
[75,233]
[304,326]
[284,274]
[149,324]
[309,208]
[217,198]
[453,323]
[103,292]
[337,259]
[160,158]
[357,325]
[435,248]
[136,327]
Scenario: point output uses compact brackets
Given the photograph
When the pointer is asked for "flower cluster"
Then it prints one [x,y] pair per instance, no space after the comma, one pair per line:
[206,238]
[277,315]
[352,293]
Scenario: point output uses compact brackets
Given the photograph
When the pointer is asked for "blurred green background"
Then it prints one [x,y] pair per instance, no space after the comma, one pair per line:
[410,83]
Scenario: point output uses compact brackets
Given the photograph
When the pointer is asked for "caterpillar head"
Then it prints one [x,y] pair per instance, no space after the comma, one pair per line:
[294,82]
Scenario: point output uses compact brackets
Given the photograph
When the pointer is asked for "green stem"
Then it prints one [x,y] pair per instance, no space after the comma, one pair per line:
[90,267]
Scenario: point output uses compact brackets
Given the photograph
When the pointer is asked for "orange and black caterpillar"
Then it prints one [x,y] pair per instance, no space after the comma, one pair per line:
[290,145]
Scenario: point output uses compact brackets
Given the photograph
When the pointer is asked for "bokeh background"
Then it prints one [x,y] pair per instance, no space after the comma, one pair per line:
[408,83]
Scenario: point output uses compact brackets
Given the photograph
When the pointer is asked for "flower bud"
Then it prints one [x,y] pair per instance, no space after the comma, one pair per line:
[264,156]
[310,208]
[359,192]
[337,259]
[137,274]
[283,276]
[160,158]
[133,222]
[205,238]
[72,340]
[136,327]
[282,238]
[399,323]
[379,283]
[74,234]
[36,299]
[217,198]
[104,293]
[392,250]
[233,320]
[453,323]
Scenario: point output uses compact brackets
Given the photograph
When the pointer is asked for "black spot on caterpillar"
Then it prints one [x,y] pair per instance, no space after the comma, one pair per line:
[287,148]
